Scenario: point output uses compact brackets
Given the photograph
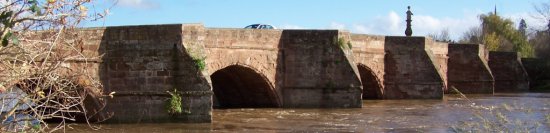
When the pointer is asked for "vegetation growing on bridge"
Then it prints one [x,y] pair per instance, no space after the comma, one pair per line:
[196,52]
[200,63]
[174,106]
[343,44]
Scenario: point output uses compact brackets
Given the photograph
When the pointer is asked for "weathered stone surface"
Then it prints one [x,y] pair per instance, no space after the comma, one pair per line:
[468,70]
[508,71]
[141,63]
[268,68]
[368,54]
[317,72]
[255,50]
[411,70]
[440,51]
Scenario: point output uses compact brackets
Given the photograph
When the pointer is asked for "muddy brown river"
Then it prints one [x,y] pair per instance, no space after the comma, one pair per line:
[504,112]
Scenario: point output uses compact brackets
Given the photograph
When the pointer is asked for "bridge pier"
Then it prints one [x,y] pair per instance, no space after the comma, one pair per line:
[411,69]
[317,71]
[468,69]
[509,73]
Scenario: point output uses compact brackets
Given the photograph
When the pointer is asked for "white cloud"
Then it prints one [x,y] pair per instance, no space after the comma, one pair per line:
[394,24]
[142,4]
[383,25]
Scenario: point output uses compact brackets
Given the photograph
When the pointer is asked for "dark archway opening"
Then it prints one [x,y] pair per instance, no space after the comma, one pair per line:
[371,86]
[241,87]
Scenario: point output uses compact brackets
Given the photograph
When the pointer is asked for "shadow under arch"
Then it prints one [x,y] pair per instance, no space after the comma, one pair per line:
[372,88]
[238,86]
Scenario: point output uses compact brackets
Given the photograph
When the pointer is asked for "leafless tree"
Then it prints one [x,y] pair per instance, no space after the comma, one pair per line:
[540,38]
[443,36]
[473,35]
[43,73]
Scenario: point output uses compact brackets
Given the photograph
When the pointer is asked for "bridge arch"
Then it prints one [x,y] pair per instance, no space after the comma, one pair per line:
[240,86]
[372,87]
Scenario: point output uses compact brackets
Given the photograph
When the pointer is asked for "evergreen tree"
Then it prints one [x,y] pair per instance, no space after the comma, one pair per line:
[522,28]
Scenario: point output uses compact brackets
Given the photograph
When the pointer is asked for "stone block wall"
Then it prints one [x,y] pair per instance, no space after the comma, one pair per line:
[368,51]
[411,71]
[508,72]
[304,68]
[257,49]
[468,70]
[141,63]
[317,73]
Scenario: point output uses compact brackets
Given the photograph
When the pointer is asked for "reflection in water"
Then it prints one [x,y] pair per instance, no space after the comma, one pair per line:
[375,116]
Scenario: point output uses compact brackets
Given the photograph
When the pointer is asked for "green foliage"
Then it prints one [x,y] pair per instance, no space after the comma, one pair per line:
[36,127]
[200,63]
[493,24]
[196,55]
[492,41]
[7,18]
[343,44]
[174,105]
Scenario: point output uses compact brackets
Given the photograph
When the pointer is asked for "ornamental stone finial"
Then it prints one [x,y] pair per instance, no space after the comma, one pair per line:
[408,31]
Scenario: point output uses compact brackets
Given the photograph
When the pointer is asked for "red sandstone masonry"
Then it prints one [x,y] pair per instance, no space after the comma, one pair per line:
[508,71]
[468,69]
[304,68]
[256,49]
[411,71]
[317,72]
[368,52]
[141,63]
[440,51]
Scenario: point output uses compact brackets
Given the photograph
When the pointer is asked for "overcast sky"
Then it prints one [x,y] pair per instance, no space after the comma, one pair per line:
[380,17]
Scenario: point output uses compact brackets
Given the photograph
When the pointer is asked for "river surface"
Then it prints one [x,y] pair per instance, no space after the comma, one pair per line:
[521,112]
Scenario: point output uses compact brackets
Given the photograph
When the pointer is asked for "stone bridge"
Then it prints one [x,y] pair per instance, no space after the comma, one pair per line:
[244,68]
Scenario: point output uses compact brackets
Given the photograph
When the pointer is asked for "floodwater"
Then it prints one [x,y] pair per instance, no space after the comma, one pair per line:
[521,112]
